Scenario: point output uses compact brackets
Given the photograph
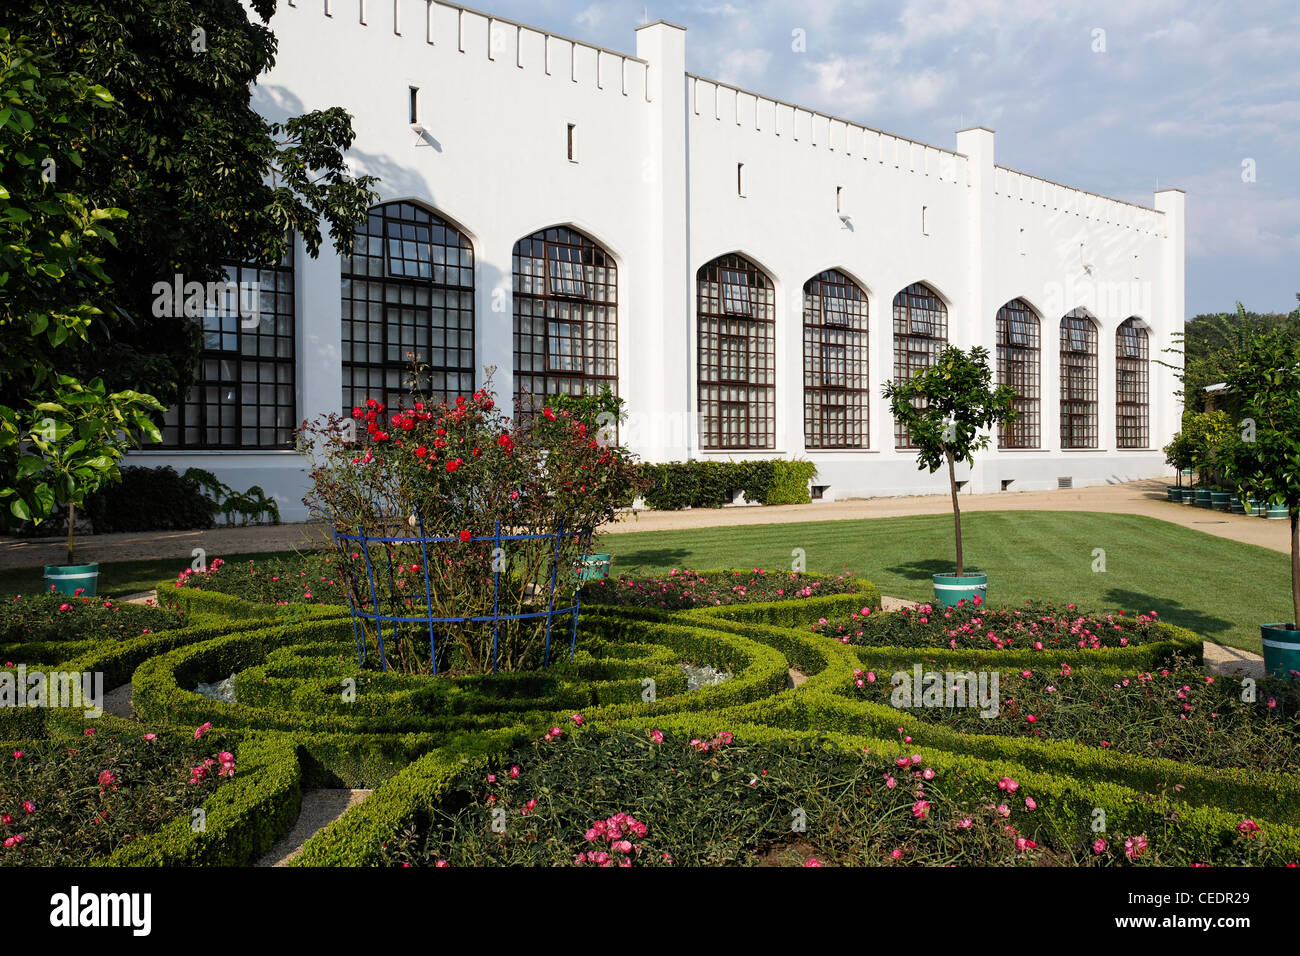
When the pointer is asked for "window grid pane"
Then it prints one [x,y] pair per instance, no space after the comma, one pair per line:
[408,291]
[736,311]
[565,318]
[1018,366]
[835,376]
[1078,381]
[920,333]
[243,394]
[1132,396]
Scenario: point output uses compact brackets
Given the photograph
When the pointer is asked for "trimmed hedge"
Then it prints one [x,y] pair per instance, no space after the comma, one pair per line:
[711,484]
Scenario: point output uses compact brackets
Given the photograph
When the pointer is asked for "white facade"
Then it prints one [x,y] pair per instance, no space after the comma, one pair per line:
[654,180]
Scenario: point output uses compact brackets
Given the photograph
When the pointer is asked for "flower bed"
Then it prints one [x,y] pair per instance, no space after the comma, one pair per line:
[1177,714]
[681,590]
[70,803]
[312,578]
[1039,627]
[658,798]
[40,618]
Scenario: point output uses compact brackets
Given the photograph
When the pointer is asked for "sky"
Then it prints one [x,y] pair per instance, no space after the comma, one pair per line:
[1118,97]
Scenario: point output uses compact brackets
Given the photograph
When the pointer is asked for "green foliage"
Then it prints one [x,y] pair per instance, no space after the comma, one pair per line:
[674,485]
[1210,346]
[205,178]
[949,407]
[151,499]
[1206,442]
[70,445]
[54,617]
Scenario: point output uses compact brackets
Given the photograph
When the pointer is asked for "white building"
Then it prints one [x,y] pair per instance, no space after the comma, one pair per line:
[746,273]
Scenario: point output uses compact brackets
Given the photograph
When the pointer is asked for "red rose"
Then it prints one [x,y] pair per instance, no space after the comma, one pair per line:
[356,411]
[453,464]
[465,536]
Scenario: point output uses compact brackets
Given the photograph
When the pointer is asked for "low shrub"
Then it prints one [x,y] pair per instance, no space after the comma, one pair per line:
[152,499]
[310,578]
[674,485]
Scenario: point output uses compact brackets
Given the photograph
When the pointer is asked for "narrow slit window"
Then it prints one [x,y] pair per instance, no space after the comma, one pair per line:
[740,179]
[413,103]
[573,142]
[839,199]
[925,231]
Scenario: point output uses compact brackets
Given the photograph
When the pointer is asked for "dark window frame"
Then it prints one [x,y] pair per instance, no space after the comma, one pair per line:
[1132,385]
[238,351]
[917,344]
[736,413]
[549,301]
[410,276]
[1079,394]
[1019,365]
[836,363]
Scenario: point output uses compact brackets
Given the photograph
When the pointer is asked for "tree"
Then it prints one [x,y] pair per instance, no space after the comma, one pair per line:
[944,408]
[1266,380]
[78,438]
[205,178]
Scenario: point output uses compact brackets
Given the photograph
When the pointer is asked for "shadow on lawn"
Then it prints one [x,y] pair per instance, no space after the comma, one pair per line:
[630,562]
[925,570]
[1207,625]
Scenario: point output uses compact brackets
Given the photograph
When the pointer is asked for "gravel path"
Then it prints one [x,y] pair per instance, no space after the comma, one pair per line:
[319,809]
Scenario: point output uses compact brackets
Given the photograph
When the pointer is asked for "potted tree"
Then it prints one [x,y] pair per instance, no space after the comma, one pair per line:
[1266,378]
[948,409]
[71,447]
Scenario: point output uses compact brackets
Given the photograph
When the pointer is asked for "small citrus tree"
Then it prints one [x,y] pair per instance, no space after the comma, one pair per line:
[1266,380]
[945,408]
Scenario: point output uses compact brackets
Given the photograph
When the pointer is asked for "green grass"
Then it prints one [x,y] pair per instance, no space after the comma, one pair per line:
[1219,588]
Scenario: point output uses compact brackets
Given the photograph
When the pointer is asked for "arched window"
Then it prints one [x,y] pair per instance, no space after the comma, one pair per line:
[920,333]
[834,362]
[1018,358]
[736,306]
[1132,401]
[1078,380]
[243,394]
[408,293]
[566,317]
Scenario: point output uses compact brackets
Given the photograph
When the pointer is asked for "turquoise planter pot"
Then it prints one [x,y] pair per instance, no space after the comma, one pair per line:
[1204,498]
[1175,493]
[595,567]
[1277,512]
[949,588]
[1281,649]
[1236,507]
[1220,500]
[69,578]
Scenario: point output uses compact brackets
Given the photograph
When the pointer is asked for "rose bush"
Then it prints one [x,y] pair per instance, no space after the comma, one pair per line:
[494,516]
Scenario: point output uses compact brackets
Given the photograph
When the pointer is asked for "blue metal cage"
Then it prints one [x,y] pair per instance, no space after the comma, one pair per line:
[373,611]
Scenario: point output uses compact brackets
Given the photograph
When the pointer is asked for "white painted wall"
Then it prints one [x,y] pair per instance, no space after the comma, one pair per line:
[655,184]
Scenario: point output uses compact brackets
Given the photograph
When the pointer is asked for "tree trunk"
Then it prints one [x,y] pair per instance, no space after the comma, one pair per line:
[1295,566]
[956,512]
[72,517]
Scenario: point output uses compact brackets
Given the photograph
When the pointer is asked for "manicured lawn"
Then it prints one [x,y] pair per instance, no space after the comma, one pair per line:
[1219,588]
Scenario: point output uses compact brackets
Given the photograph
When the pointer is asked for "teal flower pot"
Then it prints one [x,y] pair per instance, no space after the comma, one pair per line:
[949,588]
[1175,492]
[1204,498]
[1281,649]
[595,567]
[69,578]
[1278,512]
[1220,500]
[1253,507]
[1236,507]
